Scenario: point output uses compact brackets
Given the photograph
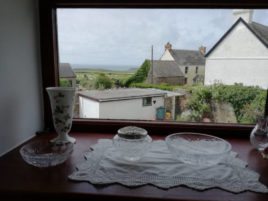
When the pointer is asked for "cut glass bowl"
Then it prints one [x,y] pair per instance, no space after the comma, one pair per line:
[45,154]
[198,149]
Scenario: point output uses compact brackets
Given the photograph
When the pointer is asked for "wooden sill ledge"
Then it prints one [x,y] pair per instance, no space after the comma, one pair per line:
[20,181]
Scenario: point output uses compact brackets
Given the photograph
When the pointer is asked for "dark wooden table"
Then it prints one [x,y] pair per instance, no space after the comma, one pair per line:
[20,181]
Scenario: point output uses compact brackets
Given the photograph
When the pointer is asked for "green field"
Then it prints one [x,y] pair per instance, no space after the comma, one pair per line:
[86,78]
[93,73]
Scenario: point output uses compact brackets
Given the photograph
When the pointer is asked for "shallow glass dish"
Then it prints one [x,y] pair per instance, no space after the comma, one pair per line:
[45,154]
[197,148]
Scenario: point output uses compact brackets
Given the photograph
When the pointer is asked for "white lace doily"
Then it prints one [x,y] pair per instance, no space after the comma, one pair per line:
[158,167]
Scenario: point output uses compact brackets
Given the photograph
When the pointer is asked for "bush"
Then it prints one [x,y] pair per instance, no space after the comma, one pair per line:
[103,82]
[238,95]
[65,83]
[87,84]
[156,86]
[248,102]
[199,102]
[254,110]
[118,82]
[140,75]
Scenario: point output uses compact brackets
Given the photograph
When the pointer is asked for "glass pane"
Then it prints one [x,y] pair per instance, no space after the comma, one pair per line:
[147,101]
[196,65]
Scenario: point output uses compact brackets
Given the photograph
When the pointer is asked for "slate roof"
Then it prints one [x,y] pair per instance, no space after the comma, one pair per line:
[187,57]
[259,30]
[120,94]
[66,71]
[166,69]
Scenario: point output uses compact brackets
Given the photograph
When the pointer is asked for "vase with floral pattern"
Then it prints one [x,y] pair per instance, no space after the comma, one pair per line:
[62,101]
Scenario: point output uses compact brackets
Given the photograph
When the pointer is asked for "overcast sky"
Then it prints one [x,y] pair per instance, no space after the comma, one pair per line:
[124,37]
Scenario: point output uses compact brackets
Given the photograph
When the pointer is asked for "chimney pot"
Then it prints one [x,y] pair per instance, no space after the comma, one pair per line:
[168,46]
[202,50]
[245,14]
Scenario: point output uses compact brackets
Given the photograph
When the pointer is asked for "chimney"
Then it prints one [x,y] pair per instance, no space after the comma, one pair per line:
[168,46]
[245,14]
[202,50]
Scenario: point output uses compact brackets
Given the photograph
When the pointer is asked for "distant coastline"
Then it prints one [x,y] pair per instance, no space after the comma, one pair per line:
[80,67]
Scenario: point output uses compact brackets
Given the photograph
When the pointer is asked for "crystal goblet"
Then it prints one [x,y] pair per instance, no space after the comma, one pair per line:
[259,136]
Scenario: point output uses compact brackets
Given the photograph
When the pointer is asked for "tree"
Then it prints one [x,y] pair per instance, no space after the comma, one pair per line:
[140,75]
[65,83]
[103,82]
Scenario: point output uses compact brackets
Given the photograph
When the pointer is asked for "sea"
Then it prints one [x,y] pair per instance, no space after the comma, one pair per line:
[105,67]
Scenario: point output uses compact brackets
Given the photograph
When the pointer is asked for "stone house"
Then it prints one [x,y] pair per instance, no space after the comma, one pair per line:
[165,72]
[66,72]
[190,62]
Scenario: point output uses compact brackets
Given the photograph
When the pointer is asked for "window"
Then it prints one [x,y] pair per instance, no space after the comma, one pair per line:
[147,101]
[49,46]
[186,70]
[196,70]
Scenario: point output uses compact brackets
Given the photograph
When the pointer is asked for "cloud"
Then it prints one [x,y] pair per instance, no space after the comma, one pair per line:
[125,36]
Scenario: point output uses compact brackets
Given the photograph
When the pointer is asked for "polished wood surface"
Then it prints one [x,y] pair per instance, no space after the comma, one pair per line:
[20,181]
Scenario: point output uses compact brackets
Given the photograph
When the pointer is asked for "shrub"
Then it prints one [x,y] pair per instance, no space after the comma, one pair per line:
[238,95]
[248,102]
[252,111]
[156,86]
[65,83]
[87,84]
[103,82]
[199,103]
[140,75]
[118,82]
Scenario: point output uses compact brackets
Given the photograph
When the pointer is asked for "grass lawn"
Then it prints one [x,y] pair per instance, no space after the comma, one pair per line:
[86,77]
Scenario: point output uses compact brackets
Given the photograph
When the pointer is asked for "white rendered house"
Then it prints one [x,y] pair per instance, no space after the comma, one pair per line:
[241,55]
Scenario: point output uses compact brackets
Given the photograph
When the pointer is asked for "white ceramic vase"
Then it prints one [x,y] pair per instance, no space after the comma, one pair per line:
[62,101]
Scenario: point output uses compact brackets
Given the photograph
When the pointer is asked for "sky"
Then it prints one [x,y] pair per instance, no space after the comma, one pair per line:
[123,38]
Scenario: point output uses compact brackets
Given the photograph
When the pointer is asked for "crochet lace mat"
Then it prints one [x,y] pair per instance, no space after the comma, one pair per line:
[158,167]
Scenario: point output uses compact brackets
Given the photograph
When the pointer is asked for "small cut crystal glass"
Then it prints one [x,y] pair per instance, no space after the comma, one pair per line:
[259,136]
[132,143]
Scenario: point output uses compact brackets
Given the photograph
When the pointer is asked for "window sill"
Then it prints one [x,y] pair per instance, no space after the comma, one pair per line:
[24,182]
[162,127]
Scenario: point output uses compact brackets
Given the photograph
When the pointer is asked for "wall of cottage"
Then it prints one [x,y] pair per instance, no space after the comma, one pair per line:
[88,108]
[166,56]
[169,80]
[130,109]
[240,58]
[192,73]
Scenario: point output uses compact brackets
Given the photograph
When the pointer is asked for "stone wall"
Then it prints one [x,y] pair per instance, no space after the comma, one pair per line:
[169,80]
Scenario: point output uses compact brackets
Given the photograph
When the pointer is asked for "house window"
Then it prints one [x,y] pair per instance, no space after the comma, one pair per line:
[196,70]
[186,69]
[147,101]
[52,33]
[185,80]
